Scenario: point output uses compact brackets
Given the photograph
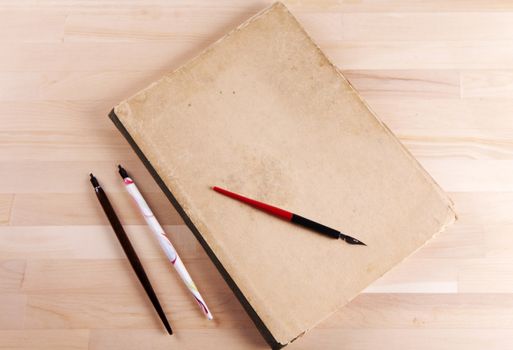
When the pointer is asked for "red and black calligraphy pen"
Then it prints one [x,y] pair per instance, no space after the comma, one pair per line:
[288,216]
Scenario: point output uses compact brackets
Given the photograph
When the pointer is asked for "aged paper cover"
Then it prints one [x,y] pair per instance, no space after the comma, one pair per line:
[264,113]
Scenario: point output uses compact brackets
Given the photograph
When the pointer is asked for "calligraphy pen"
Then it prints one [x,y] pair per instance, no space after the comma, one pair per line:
[129,250]
[164,242]
[291,217]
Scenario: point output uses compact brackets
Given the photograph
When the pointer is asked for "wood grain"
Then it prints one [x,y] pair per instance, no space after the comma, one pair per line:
[44,339]
[5,208]
[12,273]
[439,73]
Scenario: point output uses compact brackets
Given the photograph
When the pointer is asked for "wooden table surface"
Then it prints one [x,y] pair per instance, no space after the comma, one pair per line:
[439,73]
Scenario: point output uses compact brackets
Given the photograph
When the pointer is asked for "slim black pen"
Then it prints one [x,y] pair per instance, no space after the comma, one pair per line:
[129,250]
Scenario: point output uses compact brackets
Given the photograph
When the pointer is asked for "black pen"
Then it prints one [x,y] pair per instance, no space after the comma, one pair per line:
[129,250]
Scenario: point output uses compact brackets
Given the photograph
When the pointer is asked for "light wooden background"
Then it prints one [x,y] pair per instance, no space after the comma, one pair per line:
[438,72]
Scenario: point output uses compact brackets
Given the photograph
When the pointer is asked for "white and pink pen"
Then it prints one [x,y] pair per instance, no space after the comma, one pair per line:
[164,242]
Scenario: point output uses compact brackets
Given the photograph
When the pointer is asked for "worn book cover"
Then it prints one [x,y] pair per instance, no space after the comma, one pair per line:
[264,113]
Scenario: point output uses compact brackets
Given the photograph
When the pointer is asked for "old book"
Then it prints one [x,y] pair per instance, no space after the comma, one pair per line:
[263,112]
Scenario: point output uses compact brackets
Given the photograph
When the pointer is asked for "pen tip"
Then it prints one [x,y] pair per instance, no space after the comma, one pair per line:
[122,172]
[93,180]
[351,240]
[168,329]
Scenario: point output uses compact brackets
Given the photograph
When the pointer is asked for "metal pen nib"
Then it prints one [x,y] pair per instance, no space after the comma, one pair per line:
[351,240]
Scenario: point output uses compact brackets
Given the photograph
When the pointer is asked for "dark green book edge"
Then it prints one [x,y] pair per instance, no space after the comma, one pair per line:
[275,345]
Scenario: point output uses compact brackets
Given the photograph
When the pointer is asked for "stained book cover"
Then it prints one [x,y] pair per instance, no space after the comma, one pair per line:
[263,112]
